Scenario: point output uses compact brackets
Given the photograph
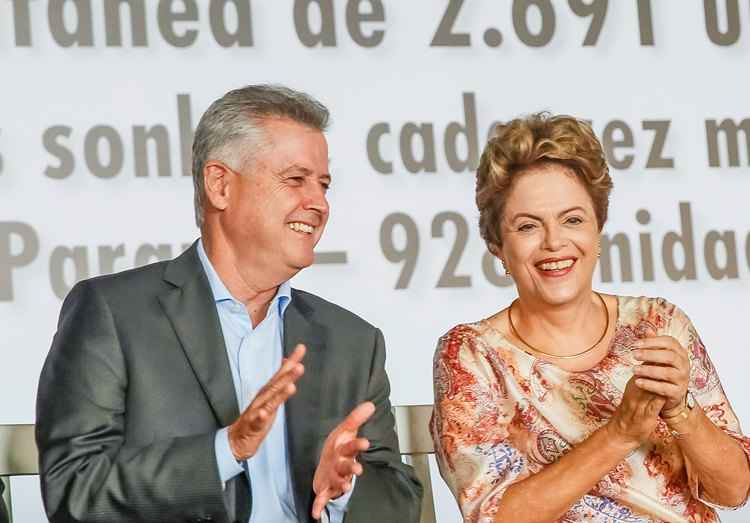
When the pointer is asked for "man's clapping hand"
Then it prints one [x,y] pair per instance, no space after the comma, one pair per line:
[338,460]
[249,430]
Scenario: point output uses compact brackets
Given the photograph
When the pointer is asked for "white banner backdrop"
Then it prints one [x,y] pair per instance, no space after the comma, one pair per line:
[98,104]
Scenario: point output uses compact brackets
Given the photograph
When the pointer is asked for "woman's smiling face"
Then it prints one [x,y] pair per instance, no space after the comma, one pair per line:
[550,235]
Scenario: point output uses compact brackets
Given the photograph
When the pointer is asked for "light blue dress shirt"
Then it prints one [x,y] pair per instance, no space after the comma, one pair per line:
[255,354]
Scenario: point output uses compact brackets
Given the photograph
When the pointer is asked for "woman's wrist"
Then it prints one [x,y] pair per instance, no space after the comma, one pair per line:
[681,420]
[618,441]
[675,411]
[680,417]
[675,414]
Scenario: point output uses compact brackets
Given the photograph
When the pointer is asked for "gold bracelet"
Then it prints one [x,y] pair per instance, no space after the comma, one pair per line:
[673,422]
[678,418]
[678,409]
[683,415]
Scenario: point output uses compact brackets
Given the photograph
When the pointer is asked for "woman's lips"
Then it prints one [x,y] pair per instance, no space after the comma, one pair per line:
[556,268]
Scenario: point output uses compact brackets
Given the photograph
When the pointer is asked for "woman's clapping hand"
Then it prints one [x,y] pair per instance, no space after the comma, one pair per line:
[636,416]
[665,369]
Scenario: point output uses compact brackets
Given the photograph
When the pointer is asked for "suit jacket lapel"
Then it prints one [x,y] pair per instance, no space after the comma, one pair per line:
[189,305]
[302,409]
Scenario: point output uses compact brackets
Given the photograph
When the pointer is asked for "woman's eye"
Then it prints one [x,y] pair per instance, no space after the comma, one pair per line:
[526,227]
[574,220]
[296,180]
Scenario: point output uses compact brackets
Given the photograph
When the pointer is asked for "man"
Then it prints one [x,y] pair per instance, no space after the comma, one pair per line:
[160,399]
[4,518]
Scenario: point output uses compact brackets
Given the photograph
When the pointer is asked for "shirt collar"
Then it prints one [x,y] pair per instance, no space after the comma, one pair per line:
[221,293]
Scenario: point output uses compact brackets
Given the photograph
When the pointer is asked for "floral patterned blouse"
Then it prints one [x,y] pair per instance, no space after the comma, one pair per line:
[502,415]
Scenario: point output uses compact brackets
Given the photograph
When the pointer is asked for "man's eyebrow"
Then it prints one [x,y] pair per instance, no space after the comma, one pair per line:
[295,168]
[299,169]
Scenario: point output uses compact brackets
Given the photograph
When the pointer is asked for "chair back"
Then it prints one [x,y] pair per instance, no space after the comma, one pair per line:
[18,457]
[415,442]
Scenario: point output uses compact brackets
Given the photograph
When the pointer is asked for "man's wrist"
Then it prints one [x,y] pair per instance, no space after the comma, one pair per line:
[343,500]
[227,463]
[239,456]
[231,444]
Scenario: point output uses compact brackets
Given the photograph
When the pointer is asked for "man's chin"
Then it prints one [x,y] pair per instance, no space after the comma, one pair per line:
[302,262]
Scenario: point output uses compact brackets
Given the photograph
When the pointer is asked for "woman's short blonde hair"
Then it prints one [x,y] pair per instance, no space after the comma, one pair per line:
[532,140]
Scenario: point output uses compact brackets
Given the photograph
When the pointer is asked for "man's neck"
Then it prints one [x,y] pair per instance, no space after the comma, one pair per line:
[253,288]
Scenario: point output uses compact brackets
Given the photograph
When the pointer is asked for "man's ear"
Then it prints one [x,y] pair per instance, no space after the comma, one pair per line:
[216,177]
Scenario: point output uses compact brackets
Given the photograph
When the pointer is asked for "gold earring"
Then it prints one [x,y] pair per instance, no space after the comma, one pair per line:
[505,268]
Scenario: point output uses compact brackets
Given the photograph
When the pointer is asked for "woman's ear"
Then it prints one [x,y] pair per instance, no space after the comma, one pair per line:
[497,252]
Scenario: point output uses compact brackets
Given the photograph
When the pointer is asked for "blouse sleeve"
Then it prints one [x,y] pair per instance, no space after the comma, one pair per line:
[472,424]
[706,388]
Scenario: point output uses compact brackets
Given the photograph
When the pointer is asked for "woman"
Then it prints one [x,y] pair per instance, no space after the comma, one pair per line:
[570,405]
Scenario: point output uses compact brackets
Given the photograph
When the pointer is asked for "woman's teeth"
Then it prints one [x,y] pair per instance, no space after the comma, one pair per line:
[556,266]
[301,227]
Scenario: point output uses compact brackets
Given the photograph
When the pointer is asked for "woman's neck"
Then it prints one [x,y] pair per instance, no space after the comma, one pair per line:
[560,329]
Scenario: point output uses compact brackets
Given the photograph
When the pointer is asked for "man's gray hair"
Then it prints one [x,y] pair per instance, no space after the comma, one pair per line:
[231,129]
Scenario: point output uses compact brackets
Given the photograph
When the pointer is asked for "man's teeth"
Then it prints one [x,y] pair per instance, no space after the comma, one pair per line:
[301,227]
[556,266]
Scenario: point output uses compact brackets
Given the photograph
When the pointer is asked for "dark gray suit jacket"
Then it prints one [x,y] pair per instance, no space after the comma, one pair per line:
[137,382]
[3,512]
